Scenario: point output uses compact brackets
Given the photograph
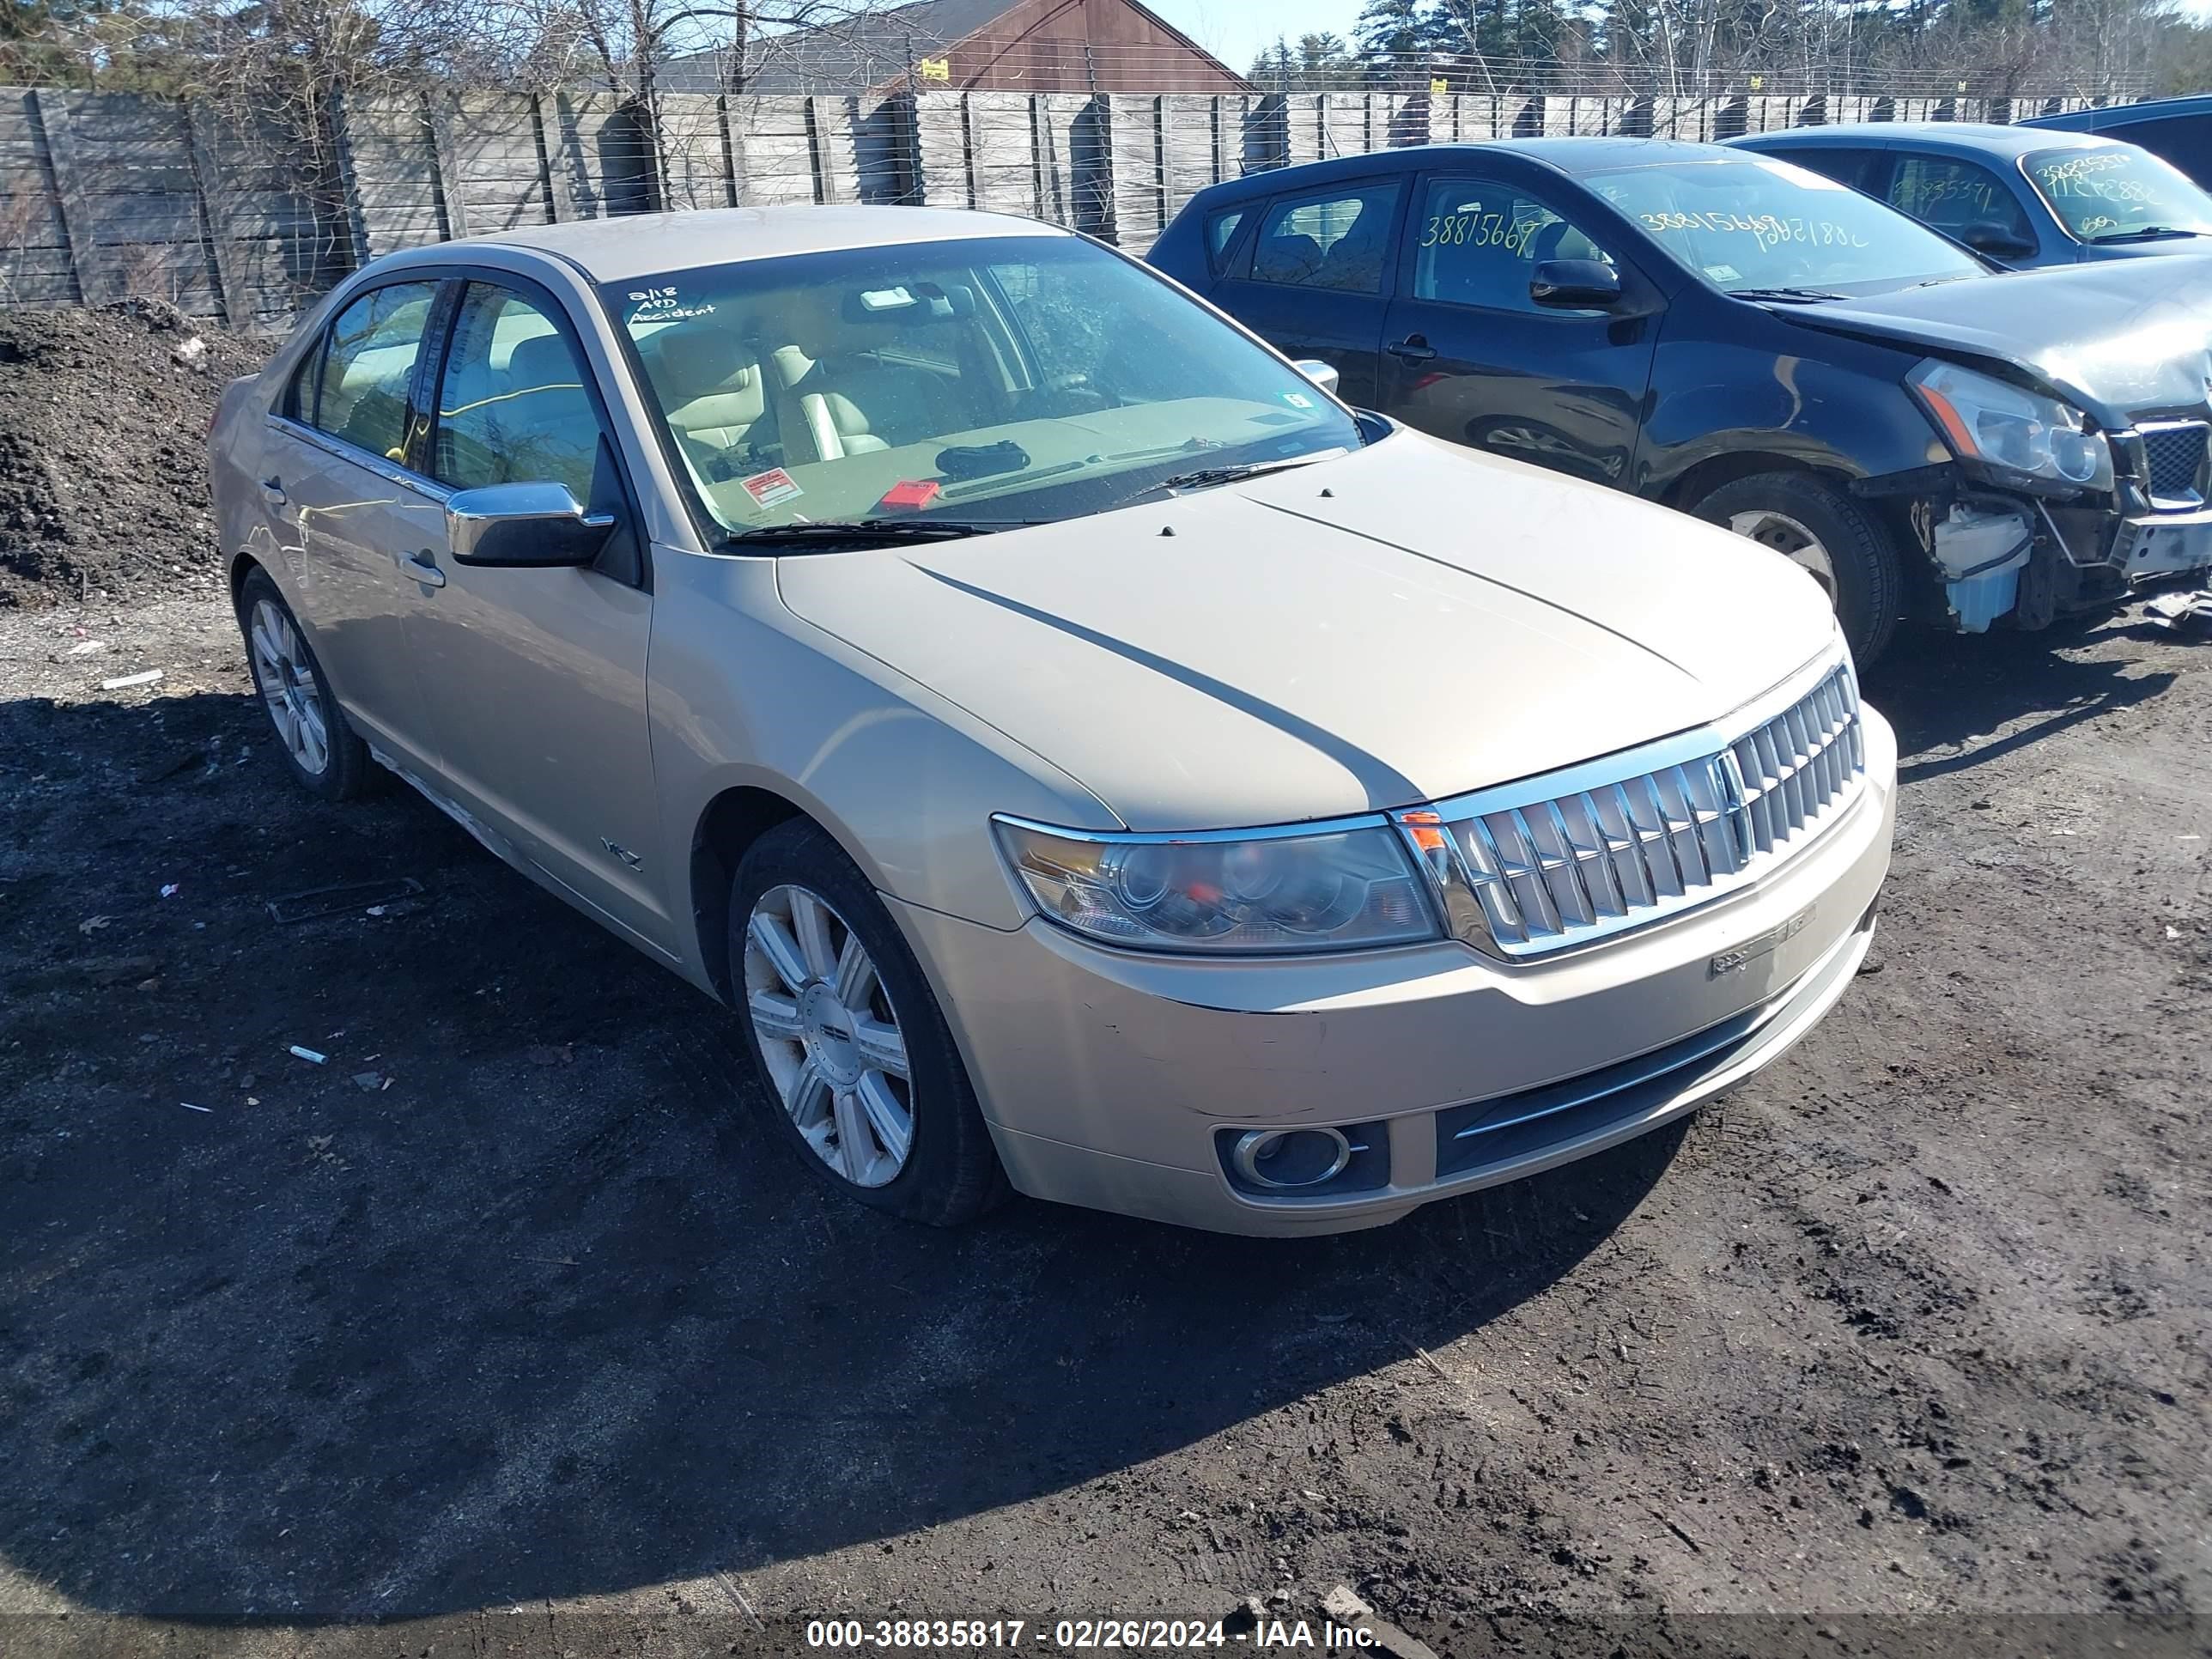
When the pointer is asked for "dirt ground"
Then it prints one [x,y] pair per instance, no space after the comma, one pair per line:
[103,468]
[501,1322]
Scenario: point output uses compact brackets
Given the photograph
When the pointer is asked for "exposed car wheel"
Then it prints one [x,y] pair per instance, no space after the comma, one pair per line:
[1837,542]
[856,1065]
[317,743]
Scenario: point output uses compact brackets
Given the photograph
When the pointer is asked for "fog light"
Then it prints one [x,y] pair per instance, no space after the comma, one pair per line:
[1285,1159]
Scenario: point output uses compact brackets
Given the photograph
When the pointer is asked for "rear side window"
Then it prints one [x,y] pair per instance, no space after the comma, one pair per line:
[2184,140]
[1845,167]
[1338,240]
[513,403]
[1950,195]
[1220,232]
[368,367]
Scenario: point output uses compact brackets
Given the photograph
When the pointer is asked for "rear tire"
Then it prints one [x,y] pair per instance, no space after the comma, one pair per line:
[856,1066]
[315,740]
[1844,548]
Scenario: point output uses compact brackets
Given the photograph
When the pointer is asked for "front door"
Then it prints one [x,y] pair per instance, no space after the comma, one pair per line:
[1469,356]
[1313,284]
[536,678]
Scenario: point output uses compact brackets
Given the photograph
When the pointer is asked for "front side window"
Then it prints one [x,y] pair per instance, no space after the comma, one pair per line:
[1951,195]
[1761,223]
[512,403]
[2117,193]
[1477,243]
[991,380]
[1340,239]
[369,366]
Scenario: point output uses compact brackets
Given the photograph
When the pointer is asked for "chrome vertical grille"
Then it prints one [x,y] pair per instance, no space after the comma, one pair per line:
[1605,853]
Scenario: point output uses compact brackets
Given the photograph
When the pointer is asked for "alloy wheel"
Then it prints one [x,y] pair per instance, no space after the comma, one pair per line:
[288,688]
[828,1035]
[1790,538]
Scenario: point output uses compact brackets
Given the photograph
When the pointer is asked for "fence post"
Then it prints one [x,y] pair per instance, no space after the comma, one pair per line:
[215,230]
[445,175]
[87,267]
[560,194]
[348,181]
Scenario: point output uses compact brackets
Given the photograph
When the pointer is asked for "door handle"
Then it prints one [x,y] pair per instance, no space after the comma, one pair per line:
[1413,348]
[274,489]
[421,568]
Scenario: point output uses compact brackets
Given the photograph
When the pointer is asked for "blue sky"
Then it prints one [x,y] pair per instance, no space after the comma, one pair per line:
[1234,30]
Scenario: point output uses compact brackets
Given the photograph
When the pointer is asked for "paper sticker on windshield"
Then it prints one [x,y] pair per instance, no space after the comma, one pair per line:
[1723,273]
[885,299]
[771,487]
[1298,400]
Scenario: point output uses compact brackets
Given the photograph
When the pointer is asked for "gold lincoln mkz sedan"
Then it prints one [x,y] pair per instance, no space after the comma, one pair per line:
[1086,756]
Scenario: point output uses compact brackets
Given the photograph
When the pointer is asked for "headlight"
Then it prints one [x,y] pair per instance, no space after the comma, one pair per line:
[2003,426]
[1339,890]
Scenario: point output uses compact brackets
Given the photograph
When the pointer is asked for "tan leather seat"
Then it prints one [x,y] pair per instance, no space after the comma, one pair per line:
[709,382]
[844,401]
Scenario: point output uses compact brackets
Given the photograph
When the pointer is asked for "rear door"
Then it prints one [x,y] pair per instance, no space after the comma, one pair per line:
[338,497]
[535,678]
[1311,279]
[1469,356]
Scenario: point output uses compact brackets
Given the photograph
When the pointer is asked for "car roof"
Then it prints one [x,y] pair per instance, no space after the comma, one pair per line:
[640,244]
[1958,137]
[2124,115]
[1575,156]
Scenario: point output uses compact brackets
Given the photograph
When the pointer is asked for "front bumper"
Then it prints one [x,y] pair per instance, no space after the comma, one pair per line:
[1109,1078]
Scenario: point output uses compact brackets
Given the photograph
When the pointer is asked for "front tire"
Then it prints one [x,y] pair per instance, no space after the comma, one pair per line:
[856,1066]
[317,743]
[1838,543]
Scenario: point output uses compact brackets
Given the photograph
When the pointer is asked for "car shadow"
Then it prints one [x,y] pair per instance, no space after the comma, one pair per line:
[1942,692]
[507,1299]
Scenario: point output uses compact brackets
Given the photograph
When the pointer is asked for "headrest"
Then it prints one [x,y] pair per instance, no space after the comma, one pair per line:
[542,360]
[688,361]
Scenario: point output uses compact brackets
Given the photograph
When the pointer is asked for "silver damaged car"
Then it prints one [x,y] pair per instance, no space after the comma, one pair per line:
[1084,755]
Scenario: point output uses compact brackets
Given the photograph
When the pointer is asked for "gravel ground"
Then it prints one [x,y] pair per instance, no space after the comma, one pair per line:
[500,1321]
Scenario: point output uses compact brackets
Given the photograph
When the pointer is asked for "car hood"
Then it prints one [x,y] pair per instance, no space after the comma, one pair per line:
[2120,339]
[1403,624]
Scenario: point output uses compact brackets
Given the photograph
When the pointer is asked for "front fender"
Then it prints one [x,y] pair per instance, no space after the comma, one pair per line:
[741,694]
[1712,400]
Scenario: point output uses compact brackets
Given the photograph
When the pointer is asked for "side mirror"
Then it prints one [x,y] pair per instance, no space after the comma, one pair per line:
[1986,236]
[1575,284]
[523,526]
[1321,374]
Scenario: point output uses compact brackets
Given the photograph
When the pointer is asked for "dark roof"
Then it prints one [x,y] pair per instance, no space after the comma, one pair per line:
[848,56]
[1576,157]
[2114,116]
[865,51]
[1944,137]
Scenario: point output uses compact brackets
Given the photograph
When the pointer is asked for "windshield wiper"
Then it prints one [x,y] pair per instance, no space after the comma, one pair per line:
[1800,296]
[873,530]
[2141,233]
[1205,477]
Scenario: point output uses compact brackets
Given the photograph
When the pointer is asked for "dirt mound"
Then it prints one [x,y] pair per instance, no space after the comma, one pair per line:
[103,475]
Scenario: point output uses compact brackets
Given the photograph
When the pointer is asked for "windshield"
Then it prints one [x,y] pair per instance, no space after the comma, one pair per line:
[999,380]
[1763,223]
[2113,190]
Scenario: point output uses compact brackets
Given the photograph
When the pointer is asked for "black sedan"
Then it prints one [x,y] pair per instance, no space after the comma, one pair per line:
[1752,342]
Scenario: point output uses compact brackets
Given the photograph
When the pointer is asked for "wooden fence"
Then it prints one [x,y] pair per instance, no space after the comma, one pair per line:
[104,196]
